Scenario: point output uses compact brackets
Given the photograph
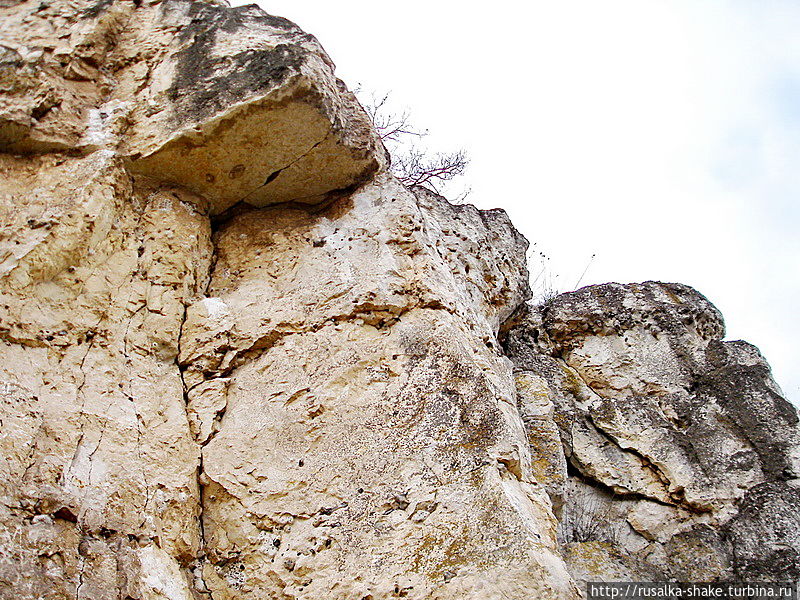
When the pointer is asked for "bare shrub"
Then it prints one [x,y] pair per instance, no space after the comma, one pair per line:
[589,516]
[415,167]
[412,164]
[391,126]
[543,281]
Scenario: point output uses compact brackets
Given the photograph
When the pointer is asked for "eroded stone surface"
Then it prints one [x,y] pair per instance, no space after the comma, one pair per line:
[370,443]
[231,103]
[99,461]
[304,396]
[670,433]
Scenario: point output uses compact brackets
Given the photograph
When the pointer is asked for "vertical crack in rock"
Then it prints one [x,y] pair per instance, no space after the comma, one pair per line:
[80,576]
[196,570]
[79,397]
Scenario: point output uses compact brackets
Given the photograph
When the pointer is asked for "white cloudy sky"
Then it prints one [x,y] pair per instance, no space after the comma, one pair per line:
[663,136]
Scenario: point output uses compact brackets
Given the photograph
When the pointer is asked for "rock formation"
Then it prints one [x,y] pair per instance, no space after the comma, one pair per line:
[681,459]
[239,360]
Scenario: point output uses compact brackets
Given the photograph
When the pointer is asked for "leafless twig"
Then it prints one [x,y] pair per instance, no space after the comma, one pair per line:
[410,164]
[430,170]
[391,127]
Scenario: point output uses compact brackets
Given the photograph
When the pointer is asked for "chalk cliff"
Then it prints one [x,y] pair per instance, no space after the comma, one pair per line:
[239,360]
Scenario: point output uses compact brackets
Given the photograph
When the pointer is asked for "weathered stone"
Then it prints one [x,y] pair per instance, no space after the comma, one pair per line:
[766,533]
[95,277]
[239,360]
[679,428]
[380,381]
[232,103]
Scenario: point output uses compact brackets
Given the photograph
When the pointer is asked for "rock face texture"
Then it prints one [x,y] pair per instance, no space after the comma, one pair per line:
[681,456]
[232,104]
[239,360]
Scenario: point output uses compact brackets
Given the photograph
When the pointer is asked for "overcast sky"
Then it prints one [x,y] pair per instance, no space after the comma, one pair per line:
[662,136]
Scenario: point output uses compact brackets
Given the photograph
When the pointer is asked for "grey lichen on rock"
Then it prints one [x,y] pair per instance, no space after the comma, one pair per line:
[244,107]
[239,360]
[682,442]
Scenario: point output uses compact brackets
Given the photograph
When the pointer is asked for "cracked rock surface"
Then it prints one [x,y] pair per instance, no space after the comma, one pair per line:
[682,456]
[239,360]
[230,103]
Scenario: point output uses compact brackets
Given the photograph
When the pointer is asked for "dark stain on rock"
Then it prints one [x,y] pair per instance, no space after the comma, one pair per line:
[65,514]
[96,9]
[748,401]
[766,534]
[459,406]
[206,84]
[213,16]
[602,310]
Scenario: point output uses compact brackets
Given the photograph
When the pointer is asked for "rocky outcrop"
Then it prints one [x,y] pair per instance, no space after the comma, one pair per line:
[239,360]
[679,446]
[232,104]
[254,402]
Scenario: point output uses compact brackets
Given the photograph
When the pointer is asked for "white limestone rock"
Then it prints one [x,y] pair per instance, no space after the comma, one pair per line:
[686,436]
[239,360]
[231,103]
